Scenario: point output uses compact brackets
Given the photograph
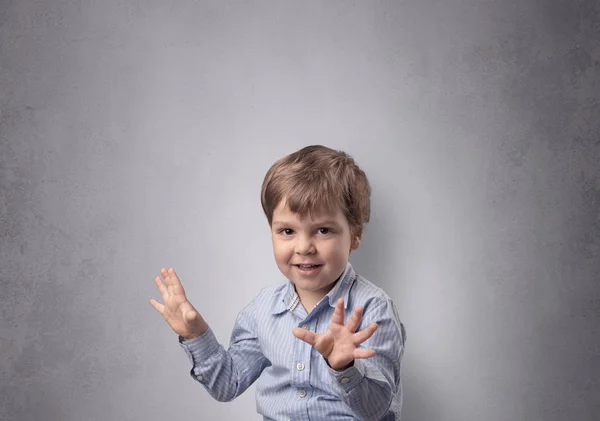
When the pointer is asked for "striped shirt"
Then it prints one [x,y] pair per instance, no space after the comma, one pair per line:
[294,380]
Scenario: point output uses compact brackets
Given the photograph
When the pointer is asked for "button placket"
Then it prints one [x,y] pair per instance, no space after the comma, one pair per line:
[301,374]
[299,368]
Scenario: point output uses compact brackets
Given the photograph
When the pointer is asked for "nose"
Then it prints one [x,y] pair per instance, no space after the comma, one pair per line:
[304,245]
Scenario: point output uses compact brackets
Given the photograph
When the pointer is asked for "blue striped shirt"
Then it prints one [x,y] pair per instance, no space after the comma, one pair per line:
[294,380]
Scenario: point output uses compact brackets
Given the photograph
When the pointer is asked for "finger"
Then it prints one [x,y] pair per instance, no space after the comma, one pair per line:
[354,320]
[162,288]
[175,288]
[363,353]
[158,306]
[173,285]
[338,313]
[305,335]
[169,277]
[365,334]
[167,281]
[174,276]
[175,282]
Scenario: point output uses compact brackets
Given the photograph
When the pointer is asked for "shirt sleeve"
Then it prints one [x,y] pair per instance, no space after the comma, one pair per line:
[226,374]
[369,385]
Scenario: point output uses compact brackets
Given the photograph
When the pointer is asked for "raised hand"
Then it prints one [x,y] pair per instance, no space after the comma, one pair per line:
[339,345]
[177,310]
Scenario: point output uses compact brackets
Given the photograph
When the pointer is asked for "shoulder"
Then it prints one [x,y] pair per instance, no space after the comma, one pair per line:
[378,305]
[271,292]
[262,307]
[269,297]
[368,293]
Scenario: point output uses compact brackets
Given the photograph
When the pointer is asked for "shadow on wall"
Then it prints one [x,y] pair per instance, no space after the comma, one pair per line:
[379,257]
[382,259]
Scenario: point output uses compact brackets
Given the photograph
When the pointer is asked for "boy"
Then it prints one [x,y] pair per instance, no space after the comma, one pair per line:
[311,362]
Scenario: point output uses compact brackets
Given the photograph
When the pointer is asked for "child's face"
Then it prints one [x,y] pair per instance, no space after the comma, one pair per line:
[322,239]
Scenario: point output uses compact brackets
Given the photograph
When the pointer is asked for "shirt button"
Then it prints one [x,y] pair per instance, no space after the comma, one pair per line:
[299,366]
[345,380]
[302,393]
[305,327]
[199,377]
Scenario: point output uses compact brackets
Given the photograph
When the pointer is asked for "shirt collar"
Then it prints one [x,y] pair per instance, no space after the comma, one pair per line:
[286,296]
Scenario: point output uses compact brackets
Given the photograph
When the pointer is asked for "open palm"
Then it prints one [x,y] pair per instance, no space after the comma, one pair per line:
[339,344]
[179,313]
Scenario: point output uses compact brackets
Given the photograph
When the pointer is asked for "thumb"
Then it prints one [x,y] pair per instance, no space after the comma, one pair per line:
[306,335]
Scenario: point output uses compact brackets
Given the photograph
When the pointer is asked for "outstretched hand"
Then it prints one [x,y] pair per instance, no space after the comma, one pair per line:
[339,344]
[179,313]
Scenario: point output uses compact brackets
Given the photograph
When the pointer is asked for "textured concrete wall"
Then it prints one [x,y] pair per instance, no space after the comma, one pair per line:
[135,135]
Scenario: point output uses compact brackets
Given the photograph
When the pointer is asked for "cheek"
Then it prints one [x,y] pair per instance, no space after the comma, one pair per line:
[333,249]
[342,250]
[281,250]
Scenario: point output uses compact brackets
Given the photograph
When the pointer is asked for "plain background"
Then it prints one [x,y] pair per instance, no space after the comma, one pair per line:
[135,135]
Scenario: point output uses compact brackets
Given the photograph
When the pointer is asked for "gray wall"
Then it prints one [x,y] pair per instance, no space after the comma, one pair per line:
[135,135]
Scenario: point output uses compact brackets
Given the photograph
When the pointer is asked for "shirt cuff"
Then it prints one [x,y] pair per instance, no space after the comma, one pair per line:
[349,378]
[200,348]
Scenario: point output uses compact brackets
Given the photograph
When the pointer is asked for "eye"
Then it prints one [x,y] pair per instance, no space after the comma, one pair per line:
[325,231]
[286,231]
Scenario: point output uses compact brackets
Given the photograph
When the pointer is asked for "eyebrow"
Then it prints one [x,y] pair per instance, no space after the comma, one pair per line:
[325,222]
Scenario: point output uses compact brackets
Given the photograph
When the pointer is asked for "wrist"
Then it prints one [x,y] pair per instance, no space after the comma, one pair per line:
[195,334]
[190,337]
[340,368]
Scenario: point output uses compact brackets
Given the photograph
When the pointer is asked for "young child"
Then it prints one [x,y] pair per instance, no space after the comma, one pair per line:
[311,361]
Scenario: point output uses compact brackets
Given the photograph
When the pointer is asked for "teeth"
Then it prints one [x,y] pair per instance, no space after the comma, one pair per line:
[307,266]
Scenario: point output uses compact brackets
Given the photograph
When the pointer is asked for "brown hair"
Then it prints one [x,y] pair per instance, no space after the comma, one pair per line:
[317,176]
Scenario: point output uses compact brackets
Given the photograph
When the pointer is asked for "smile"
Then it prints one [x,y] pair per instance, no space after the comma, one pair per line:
[308,270]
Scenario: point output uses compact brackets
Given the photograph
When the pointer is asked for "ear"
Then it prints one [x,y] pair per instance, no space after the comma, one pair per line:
[355,242]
